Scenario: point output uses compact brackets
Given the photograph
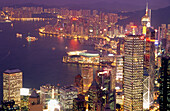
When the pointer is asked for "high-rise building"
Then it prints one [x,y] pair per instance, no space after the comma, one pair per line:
[48,92]
[94,97]
[164,98]
[133,73]
[78,82]
[67,94]
[146,19]
[12,83]
[149,64]
[87,74]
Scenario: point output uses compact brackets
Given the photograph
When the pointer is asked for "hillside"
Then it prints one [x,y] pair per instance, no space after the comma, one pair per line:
[159,16]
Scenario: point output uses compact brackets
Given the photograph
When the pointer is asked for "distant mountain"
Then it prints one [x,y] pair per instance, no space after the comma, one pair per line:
[105,6]
[159,16]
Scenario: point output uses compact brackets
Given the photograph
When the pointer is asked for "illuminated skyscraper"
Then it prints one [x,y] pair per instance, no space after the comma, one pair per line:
[67,94]
[47,93]
[146,20]
[87,74]
[149,64]
[133,73]
[12,82]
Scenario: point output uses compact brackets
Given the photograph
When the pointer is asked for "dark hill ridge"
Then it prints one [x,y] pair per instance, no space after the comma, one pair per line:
[159,16]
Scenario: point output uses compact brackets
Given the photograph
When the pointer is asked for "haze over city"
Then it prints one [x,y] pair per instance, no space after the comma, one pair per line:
[117,5]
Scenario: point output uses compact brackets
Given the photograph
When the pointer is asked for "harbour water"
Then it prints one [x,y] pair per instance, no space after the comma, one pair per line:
[40,60]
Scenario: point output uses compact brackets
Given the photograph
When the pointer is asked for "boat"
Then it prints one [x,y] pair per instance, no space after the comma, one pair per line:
[31,39]
[18,35]
[7,20]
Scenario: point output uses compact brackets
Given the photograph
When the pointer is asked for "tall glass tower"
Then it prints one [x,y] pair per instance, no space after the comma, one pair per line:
[12,83]
[133,73]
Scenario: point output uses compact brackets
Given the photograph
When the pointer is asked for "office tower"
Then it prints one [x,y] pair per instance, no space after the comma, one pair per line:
[133,73]
[146,20]
[94,97]
[78,82]
[103,81]
[87,74]
[67,94]
[34,102]
[149,64]
[48,92]
[12,83]
[164,98]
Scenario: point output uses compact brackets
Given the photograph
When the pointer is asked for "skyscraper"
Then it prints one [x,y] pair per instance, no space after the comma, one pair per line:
[146,19]
[149,64]
[94,97]
[47,93]
[87,74]
[67,94]
[12,82]
[164,98]
[133,73]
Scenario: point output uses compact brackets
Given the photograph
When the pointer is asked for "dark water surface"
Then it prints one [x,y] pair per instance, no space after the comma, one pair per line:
[41,60]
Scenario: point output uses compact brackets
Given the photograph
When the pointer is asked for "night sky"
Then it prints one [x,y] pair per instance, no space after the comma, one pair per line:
[124,4]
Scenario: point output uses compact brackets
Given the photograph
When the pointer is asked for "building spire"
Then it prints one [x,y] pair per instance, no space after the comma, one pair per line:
[146,8]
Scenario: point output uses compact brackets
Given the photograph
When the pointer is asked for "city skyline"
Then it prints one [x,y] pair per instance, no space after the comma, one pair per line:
[83,58]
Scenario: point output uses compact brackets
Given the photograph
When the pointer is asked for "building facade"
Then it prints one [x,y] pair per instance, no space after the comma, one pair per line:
[87,74]
[48,92]
[67,94]
[12,83]
[133,73]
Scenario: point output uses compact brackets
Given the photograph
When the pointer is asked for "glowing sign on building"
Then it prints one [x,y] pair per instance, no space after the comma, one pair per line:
[144,30]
